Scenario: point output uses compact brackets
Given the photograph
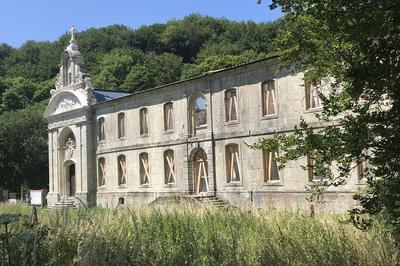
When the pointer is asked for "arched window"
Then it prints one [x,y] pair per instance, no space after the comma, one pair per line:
[121,125]
[168,117]
[271,172]
[144,121]
[169,167]
[144,168]
[198,113]
[312,97]
[231,108]
[269,98]
[102,171]
[102,129]
[232,163]
[121,170]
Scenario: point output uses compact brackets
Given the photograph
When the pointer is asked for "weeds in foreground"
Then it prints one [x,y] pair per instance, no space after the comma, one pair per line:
[187,235]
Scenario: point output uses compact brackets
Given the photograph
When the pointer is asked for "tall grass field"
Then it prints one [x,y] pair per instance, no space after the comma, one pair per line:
[188,235]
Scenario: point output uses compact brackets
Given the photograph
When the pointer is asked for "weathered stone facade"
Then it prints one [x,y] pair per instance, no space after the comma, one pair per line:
[108,148]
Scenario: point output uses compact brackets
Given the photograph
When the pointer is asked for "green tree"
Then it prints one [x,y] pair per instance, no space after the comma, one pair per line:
[215,62]
[115,66]
[18,93]
[23,148]
[156,70]
[355,43]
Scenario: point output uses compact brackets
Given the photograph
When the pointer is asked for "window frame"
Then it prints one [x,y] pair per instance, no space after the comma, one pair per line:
[169,127]
[144,169]
[101,121]
[169,171]
[121,171]
[227,114]
[102,171]
[264,105]
[311,171]
[230,165]
[143,117]
[310,88]
[121,132]
[267,174]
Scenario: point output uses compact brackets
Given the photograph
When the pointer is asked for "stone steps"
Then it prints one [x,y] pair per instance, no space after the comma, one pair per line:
[64,203]
[211,200]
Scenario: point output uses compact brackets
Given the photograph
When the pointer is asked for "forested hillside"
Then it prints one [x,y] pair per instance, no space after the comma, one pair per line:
[118,58]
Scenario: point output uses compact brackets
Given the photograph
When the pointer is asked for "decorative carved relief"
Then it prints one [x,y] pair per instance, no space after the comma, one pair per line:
[66,104]
[69,149]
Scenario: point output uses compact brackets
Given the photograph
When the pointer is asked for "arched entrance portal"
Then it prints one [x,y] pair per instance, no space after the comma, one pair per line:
[70,180]
[200,172]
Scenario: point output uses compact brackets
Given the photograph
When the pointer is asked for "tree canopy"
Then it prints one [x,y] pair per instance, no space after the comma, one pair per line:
[353,46]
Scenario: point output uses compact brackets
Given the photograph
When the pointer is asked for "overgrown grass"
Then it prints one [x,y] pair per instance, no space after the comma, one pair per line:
[183,235]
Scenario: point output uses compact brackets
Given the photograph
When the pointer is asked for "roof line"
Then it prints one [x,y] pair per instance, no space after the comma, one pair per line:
[113,91]
[212,72]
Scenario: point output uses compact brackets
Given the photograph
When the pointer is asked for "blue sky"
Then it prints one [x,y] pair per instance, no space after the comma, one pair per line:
[46,20]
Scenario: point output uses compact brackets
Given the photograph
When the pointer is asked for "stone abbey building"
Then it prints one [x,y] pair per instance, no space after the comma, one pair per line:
[185,138]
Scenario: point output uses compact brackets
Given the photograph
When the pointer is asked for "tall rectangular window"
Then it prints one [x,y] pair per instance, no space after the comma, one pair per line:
[144,121]
[312,97]
[231,108]
[102,130]
[121,125]
[102,171]
[269,98]
[169,167]
[271,172]
[168,117]
[360,170]
[121,170]
[232,163]
[144,169]
[311,167]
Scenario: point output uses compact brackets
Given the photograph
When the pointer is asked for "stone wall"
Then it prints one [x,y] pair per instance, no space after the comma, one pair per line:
[250,126]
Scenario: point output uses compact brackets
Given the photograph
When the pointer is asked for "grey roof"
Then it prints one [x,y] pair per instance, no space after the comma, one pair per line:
[105,95]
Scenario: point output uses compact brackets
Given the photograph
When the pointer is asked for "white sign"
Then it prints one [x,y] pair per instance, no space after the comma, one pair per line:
[37,197]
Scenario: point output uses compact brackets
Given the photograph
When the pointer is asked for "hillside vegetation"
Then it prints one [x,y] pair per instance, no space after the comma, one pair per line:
[118,58]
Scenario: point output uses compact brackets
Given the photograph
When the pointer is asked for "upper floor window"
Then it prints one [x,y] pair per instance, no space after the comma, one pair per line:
[121,125]
[144,168]
[231,108]
[271,172]
[169,167]
[121,170]
[168,117]
[102,171]
[312,98]
[269,102]
[198,112]
[232,163]
[102,130]
[144,121]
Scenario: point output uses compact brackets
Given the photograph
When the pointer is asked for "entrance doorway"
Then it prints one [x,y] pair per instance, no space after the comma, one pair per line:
[71,180]
[200,172]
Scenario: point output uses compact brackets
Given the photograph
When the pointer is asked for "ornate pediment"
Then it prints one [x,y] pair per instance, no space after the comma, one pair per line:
[73,88]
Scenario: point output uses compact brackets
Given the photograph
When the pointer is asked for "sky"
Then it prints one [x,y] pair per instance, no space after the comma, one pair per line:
[46,20]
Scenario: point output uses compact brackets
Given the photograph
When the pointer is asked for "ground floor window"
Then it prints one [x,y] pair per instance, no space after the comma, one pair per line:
[232,163]
[144,168]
